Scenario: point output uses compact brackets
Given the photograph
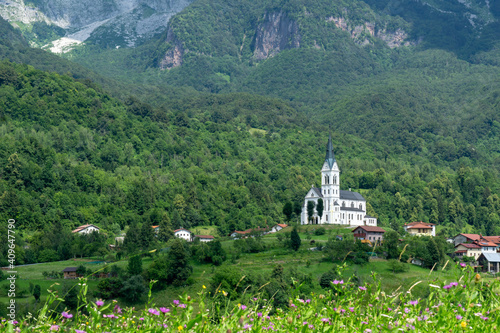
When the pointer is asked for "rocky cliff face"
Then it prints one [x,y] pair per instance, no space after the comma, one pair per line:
[173,57]
[277,32]
[114,23]
[360,33]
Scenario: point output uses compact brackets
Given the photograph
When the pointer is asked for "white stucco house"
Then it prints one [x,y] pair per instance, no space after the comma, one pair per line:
[340,207]
[205,238]
[278,227]
[86,229]
[184,234]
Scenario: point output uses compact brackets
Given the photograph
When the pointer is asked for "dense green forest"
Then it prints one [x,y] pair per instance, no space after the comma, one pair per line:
[225,140]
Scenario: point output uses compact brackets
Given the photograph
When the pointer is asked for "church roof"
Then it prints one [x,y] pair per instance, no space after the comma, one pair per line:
[330,156]
[318,191]
[349,195]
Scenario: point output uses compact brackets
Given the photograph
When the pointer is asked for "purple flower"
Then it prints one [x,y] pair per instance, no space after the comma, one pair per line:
[311,326]
[454,284]
[351,309]
[154,311]
[243,307]
[413,302]
[458,317]
[112,316]
[99,303]
[54,328]
[80,331]
[362,288]
[182,306]
[164,310]
[448,286]
[141,319]
[463,264]
[259,314]
[117,309]
[338,282]
[66,315]
[308,301]
[176,302]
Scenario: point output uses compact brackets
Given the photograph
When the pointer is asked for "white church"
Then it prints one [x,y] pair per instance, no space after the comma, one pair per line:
[339,207]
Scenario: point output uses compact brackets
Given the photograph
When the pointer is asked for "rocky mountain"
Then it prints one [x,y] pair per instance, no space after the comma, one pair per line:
[59,25]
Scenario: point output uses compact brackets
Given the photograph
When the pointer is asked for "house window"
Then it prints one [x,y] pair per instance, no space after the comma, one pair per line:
[352,204]
[343,204]
[360,206]
[326,218]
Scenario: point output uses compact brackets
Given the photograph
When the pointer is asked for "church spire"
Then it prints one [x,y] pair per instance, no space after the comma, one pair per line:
[330,156]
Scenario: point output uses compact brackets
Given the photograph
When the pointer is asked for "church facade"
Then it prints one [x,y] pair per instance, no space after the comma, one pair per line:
[339,207]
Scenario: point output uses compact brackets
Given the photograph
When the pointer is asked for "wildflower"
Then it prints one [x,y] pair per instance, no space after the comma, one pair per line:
[463,264]
[204,287]
[477,277]
[459,317]
[180,328]
[311,326]
[80,331]
[463,324]
[259,314]
[243,307]
[351,309]
[182,306]
[164,310]
[99,303]
[176,302]
[447,287]
[413,302]
[154,311]
[54,328]
[362,288]
[338,282]
[117,309]
[66,315]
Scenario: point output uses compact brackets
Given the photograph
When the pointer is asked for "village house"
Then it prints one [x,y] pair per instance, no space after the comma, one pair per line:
[86,229]
[70,272]
[277,227]
[249,233]
[156,229]
[369,233]
[468,250]
[184,234]
[420,229]
[490,262]
[465,238]
[205,238]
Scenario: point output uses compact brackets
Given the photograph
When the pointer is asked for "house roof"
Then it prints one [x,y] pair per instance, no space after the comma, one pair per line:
[470,236]
[369,228]
[469,245]
[369,217]
[494,239]
[205,236]
[349,195]
[154,226]
[461,251]
[485,243]
[182,229]
[70,269]
[491,257]
[83,227]
[282,225]
[418,225]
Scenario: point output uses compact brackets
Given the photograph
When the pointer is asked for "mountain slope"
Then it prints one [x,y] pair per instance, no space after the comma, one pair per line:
[62,24]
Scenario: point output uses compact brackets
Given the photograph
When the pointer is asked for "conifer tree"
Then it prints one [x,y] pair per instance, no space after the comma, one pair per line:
[319,208]
[178,270]
[135,265]
[295,239]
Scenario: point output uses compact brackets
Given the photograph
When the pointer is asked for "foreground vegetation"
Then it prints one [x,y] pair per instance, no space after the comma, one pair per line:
[462,303]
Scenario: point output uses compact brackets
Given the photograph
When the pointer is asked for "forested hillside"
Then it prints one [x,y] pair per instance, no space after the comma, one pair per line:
[239,128]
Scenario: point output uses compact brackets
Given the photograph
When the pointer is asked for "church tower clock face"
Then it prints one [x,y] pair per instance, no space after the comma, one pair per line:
[339,206]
